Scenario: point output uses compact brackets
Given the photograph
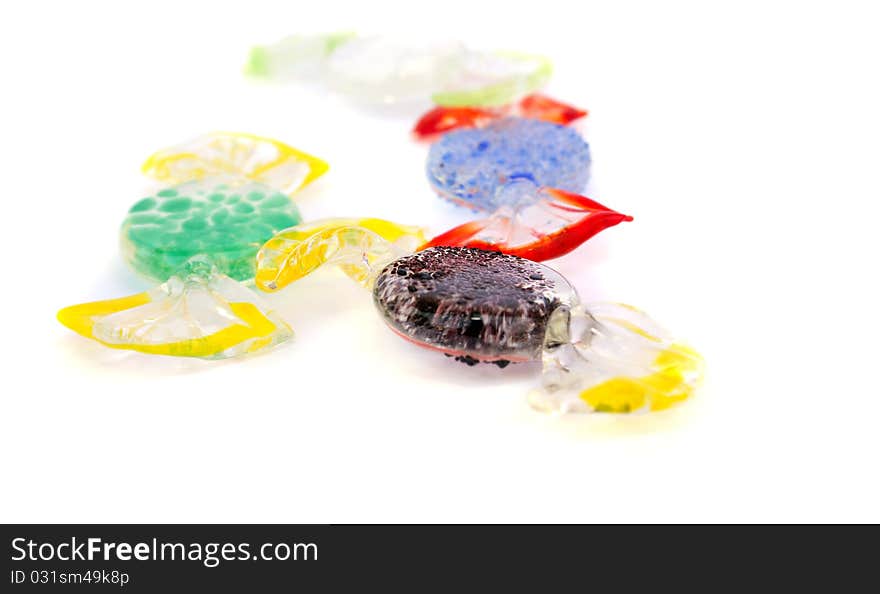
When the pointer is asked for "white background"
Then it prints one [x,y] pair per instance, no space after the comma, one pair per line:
[742,136]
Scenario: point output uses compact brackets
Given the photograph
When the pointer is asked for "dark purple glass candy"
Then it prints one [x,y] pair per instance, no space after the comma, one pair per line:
[472,304]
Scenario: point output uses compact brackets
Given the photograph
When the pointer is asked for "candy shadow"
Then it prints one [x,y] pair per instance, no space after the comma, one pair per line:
[600,426]
[309,302]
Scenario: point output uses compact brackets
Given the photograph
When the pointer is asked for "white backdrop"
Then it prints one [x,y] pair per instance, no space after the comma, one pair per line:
[743,138]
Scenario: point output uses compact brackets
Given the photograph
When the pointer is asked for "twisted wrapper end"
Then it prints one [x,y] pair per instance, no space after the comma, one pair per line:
[613,358]
[360,247]
[236,155]
[533,223]
[198,312]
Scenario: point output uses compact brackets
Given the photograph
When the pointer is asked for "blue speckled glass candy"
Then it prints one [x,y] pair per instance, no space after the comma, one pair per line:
[225,221]
[470,166]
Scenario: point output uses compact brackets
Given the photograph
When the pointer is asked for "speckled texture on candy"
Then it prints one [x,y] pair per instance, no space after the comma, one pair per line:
[473,304]
[226,222]
[469,165]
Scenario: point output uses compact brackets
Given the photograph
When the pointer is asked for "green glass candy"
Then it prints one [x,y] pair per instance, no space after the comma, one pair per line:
[225,221]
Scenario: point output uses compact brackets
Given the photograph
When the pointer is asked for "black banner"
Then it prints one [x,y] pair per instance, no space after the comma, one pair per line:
[315,558]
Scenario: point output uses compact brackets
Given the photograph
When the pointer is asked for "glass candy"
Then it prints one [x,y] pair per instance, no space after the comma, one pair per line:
[485,306]
[387,69]
[201,236]
[471,304]
[528,174]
